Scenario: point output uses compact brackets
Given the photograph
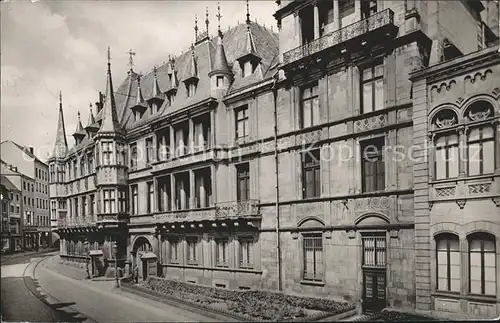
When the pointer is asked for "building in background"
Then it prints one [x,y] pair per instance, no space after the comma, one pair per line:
[264,160]
[34,188]
[14,222]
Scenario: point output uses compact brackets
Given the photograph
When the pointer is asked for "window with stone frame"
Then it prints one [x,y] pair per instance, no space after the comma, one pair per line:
[368,8]
[312,245]
[75,175]
[52,173]
[192,250]
[373,165]
[481,150]
[91,204]
[149,150]
[150,197]
[311,173]
[133,156]
[122,197]
[243,181]
[372,87]
[90,162]
[448,262]
[107,153]
[242,128]
[173,251]
[134,201]
[222,252]
[346,8]
[246,252]
[446,142]
[82,166]
[309,105]
[109,201]
[482,264]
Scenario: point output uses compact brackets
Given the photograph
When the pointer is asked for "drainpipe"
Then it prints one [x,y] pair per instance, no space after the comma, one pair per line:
[278,242]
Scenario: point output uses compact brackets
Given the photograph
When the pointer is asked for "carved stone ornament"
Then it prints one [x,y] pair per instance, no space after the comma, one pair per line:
[496,92]
[479,115]
[461,203]
[328,234]
[394,233]
[496,200]
[351,234]
[295,235]
[444,123]
[430,205]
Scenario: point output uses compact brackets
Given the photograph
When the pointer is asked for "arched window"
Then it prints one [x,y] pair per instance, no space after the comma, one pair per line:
[448,262]
[482,264]
[446,154]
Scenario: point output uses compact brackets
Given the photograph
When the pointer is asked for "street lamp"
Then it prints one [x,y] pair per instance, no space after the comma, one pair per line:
[115,253]
[87,257]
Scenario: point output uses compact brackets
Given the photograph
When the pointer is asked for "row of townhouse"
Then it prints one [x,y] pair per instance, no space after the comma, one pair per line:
[317,161]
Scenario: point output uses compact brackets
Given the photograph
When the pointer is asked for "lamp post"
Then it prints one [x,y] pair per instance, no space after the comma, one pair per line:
[115,253]
[87,257]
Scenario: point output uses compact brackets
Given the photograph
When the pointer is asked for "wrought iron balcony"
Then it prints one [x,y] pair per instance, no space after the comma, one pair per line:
[380,19]
[237,209]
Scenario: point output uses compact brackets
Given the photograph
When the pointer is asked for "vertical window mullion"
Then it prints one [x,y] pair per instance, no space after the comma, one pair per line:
[448,265]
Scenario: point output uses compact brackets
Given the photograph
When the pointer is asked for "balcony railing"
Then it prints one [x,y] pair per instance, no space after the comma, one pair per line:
[237,209]
[378,20]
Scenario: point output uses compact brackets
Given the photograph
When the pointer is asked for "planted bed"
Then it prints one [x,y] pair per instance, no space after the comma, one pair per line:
[249,305]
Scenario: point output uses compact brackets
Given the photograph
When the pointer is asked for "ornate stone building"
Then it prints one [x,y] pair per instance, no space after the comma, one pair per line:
[258,160]
[457,180]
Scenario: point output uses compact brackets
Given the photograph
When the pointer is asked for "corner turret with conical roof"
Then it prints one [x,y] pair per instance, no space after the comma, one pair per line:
[79,133]
[156,99]
[109,122]
[191,79]
[220,74]
[140,105]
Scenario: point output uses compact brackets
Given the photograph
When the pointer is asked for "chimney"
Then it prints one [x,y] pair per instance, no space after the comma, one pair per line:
[31,149]
[14,168]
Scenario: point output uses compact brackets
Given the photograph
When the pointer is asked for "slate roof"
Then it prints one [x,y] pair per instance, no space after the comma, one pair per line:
[235,46]
[8,184]
[25,149]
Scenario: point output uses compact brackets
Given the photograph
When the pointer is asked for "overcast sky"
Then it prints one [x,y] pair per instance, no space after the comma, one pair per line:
[47,46]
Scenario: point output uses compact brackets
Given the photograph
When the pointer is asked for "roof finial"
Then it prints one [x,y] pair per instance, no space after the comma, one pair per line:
[131,55]
[60,99]
[90,106]
[195,26]
[154,71]
[109,56]
[248,13]
[218,18]
[78,113]
[206,20]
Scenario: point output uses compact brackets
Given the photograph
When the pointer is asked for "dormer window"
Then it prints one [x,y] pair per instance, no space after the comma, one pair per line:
[247,68]
[190,89]
[171,97]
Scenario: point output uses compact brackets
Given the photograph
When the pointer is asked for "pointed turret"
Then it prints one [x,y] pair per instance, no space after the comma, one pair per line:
[174,82]
[140,105]
[156,99]
[192,72]
[92,126]
[61,143]
[79,132]
[249,59]
[109,115]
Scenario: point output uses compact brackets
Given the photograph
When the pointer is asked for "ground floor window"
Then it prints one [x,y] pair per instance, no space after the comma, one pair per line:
[313,257]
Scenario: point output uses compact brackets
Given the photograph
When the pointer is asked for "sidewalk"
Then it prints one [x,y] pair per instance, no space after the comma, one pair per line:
[26,253]
[54,263]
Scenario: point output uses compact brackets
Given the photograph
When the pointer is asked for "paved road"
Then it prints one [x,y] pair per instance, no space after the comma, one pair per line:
[100,301]
[20,299]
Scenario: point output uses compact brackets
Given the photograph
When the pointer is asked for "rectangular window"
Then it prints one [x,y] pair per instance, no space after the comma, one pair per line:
[109,201]
[192,245]
[313,257]
[149,150]
[481,151]
[246,253]
[107,153]
[123,200]
[374,251]
[173,254]
[482,265]
[52,173]
[368,8]
[92,204]
[446,158]
[373,165]
[133,156]
[90,163]
[84,206]
[134,207]
[372,88]
[82,166]
[311,178]
[220,81]
[75,175]
[448,263]
[242,129]
[221,252]
[151,197]
[243,182]
[309,106]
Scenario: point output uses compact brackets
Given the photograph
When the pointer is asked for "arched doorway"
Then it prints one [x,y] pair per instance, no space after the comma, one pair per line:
[141,245]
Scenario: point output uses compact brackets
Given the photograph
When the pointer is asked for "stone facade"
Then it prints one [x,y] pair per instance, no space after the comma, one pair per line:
[463,204]
[281,195]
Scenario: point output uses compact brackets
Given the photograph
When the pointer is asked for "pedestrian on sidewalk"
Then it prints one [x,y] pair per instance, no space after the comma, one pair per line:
[136,274]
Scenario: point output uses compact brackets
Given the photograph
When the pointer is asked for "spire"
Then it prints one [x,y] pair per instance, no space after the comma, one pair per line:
[61,143]
[109,114]
[248,14]
[92,126]
[156,87]
[218,19]
[220,61]
[131,55]
[140,98]
[206,19]
[79,132]
[91,116]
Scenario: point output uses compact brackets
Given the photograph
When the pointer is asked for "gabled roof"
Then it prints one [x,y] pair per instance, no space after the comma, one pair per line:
[24,149]
[8,184]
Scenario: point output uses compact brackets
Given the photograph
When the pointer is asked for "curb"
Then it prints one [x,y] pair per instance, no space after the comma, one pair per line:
[231,316]
[24,254]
